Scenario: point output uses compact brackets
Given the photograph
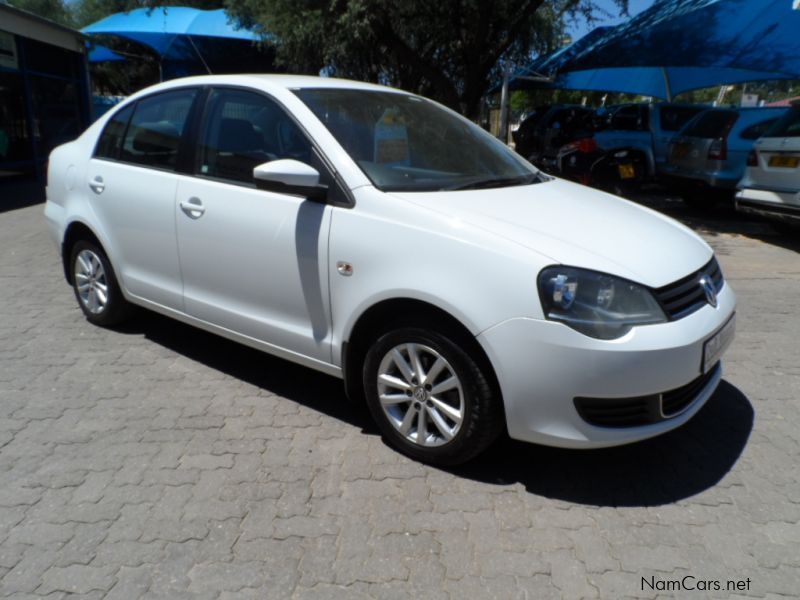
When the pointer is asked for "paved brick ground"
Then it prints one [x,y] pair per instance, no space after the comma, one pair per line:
[160,462]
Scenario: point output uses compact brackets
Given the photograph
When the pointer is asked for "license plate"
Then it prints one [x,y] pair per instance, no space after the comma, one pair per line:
[626,171]
[785,162]
[715,346]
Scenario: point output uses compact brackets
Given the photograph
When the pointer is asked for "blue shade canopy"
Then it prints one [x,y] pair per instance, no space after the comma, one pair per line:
[159,28]
[98,54]
[680,45]
[545,65]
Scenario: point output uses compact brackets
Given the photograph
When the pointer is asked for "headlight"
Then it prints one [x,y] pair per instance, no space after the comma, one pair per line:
[598,305]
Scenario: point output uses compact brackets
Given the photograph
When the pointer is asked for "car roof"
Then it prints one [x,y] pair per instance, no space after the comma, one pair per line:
[270,81]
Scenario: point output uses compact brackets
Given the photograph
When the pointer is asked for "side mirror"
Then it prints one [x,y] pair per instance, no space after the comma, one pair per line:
[289,176]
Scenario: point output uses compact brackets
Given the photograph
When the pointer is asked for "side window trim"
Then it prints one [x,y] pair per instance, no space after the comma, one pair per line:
[196,142]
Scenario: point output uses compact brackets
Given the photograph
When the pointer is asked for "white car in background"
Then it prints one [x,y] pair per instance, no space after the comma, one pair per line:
[771,184]
[381,238]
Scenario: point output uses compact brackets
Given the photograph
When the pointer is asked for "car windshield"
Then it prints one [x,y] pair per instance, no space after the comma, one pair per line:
[408,143]
[787,126]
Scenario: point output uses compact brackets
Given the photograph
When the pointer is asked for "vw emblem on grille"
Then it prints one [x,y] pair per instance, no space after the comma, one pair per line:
[708,288]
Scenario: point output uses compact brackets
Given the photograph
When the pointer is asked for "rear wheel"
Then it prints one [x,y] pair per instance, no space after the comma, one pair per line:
[96,287]
[430,399]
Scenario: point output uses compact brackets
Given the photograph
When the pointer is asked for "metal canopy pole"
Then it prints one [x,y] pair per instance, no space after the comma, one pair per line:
[504,107]
[667,87]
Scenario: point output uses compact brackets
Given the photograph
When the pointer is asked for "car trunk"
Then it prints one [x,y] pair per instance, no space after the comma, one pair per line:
[779,164]
[778,154]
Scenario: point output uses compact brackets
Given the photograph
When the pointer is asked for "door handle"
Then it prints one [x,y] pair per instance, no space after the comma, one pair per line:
[97,185]
[193,208]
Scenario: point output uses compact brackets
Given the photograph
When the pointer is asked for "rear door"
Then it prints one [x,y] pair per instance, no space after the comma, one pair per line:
[131,183]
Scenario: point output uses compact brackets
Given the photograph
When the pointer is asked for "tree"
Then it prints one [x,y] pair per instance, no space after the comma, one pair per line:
[89,11]
[55,10]
[450,50]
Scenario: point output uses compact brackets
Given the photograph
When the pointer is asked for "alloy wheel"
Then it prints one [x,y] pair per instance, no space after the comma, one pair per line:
[421,394]
[91,281]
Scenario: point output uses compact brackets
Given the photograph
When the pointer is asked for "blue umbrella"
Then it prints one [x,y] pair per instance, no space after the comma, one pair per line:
[681,45]
[172,32]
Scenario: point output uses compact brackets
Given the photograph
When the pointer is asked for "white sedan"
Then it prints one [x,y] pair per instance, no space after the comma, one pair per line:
[771,184]
[381,238]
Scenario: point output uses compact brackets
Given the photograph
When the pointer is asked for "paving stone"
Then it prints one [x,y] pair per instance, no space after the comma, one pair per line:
[77,579]
[156,461]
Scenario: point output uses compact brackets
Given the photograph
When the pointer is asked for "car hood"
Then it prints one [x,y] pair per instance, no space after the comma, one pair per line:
[578,226]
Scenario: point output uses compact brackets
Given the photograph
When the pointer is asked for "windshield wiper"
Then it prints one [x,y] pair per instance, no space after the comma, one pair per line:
[496,182]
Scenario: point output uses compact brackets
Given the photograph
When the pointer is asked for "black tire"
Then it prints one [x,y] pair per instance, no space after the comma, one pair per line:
[707,200]
[786,227]
[116,309]
[482,416]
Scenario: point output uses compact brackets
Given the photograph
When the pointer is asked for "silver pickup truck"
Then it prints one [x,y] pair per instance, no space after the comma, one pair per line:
[647,128]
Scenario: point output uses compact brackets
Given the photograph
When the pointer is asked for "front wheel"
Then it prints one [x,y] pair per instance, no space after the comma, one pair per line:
[430,398]
[95,286]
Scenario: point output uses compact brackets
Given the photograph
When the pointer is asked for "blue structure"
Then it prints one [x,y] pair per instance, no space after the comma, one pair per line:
[44,92]
[189,41]
[680,45]
[99,54]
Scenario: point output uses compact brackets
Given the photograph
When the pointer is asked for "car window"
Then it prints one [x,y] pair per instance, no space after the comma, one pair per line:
[110,142]
[675,117]
[243,130]
[628,118]
[756,131]
[156,128]
[786,126]
[711,124]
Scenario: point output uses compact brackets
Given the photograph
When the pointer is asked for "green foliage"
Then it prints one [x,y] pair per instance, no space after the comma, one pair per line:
[88,11]
[55,10]
[450,50]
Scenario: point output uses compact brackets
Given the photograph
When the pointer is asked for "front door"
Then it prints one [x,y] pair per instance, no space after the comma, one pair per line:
[252,261]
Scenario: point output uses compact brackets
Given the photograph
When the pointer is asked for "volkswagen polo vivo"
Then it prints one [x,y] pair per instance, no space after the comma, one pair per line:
[381,238]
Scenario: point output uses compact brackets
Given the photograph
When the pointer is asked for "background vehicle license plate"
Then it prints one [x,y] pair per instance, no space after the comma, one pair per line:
[787,162]
[717,344]
[626,171]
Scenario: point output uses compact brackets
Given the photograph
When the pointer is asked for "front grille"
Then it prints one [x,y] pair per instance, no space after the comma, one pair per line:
[642,410]
[686,295]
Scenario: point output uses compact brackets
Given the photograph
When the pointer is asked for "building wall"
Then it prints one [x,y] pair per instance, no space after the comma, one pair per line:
[44,93]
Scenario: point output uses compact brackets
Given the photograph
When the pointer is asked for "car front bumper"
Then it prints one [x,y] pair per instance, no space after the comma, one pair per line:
[543,366]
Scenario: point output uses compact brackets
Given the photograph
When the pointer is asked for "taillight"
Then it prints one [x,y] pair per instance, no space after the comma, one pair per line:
[752,158]
[718,150]
[587,145]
